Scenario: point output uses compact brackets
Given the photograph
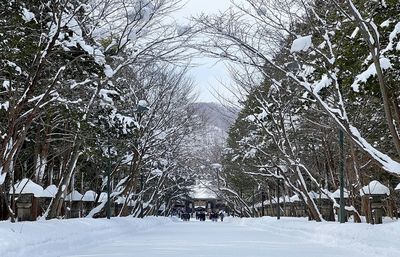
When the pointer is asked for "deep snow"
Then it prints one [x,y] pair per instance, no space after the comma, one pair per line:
[152,237]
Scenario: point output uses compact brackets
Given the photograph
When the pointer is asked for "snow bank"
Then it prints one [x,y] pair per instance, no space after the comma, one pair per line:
[46,238]
[168,235]
[371,240]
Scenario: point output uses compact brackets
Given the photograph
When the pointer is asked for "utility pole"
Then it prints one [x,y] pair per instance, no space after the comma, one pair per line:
[108,182]
[262,203]
[278,210]
[341,177]
[108,193]
[141,108]
[254,208]
[141,191]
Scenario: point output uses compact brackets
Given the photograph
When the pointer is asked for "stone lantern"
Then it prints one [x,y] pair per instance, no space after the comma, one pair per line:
[119,204]
[288,206]
[88,199]
[26,194]
[374,195]
[322,200]
[114,208]
[336,196]
[48,193]
[73,202]
[325,204]
[298,205]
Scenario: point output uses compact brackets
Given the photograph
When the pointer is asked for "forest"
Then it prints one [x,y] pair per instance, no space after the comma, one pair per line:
[95,96]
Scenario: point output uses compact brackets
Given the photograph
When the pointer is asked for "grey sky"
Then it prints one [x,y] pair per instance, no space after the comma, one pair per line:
[209,74]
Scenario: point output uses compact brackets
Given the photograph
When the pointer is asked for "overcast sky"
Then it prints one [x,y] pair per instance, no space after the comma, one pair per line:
[208,75]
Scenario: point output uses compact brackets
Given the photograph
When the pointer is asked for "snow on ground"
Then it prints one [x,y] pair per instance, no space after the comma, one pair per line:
[54,237]
[167,237]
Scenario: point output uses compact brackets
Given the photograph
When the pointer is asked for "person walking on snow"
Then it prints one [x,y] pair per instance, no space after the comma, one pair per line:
[221,216]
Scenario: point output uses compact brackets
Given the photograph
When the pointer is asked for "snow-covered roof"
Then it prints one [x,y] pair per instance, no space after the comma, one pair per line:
[50,191]
[74,196]
[89,196]
[336,194]
[325,194]
[202,191]
[397,187]
[27,186]
[282,199]
[295,198]
[122,200]
[374,188]
[274,200]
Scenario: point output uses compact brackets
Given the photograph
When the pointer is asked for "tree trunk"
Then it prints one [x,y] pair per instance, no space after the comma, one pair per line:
[56,203]
[374,49]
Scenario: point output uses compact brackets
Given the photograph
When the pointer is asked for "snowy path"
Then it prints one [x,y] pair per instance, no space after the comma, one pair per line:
[228,239]
[167,237]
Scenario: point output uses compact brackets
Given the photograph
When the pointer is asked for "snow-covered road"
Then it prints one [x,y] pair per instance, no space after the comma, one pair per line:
[227,239]
[169,237]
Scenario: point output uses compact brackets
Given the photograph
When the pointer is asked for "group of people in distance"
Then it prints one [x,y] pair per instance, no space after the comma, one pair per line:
[213,216]
[201,215]
[185,216]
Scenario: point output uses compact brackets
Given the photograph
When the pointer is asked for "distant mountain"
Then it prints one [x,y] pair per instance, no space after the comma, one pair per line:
[209,140]
[216,114]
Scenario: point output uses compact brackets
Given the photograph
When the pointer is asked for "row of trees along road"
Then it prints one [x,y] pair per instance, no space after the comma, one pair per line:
[306,70]
[72,74]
